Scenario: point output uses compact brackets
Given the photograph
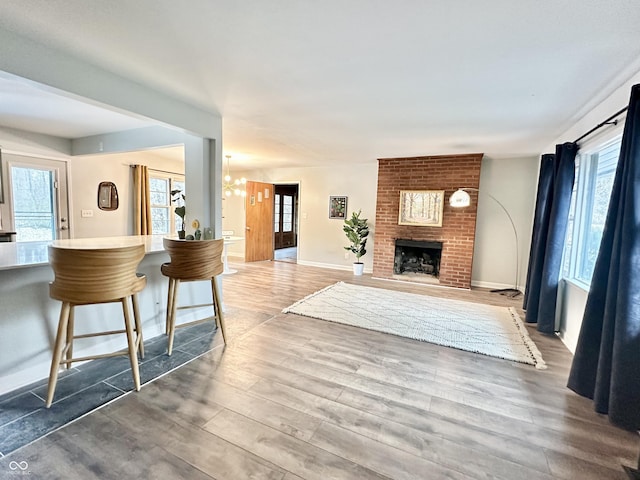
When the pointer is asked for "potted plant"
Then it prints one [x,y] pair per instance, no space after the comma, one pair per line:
[180,210]
[357,230]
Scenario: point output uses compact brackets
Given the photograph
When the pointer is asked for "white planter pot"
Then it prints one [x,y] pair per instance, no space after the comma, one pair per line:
[358,268]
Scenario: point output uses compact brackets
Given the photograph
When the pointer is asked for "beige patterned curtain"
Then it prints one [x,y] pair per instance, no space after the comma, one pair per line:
[142,200]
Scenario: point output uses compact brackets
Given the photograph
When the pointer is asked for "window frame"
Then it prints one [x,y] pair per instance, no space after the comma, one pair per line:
[588,169]
[172,178]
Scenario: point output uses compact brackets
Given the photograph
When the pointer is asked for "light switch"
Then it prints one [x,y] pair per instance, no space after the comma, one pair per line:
[86,213]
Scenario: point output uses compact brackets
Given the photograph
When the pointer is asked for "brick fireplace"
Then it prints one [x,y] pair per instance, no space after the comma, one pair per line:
[457,234]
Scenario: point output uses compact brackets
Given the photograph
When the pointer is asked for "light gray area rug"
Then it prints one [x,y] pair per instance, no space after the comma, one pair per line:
[494,331]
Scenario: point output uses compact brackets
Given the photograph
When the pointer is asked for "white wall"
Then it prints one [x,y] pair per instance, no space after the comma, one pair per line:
[512,182]
[572,298]
[87,172]
[321,240]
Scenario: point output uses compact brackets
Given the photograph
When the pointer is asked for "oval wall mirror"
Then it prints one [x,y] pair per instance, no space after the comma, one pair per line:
[107,196]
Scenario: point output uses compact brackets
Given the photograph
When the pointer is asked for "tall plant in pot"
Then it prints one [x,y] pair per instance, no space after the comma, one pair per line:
[180,210]
[357,231]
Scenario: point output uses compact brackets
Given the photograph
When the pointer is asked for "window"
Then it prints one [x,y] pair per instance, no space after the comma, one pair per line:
[287,213]
[595,171]
[162,207]
[276,214]
[34,205]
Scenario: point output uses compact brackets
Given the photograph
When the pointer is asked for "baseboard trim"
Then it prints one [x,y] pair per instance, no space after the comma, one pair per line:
[491,285]
[332,266]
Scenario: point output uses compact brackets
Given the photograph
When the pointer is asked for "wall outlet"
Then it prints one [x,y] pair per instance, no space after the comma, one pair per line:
[86,213]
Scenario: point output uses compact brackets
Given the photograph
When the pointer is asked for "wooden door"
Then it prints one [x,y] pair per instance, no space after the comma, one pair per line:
[285,216]
[259,222]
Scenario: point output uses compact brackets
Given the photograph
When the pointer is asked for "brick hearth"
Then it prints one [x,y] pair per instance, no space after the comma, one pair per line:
[441,172]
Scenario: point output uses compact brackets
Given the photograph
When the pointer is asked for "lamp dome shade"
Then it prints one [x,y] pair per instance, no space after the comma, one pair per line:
[459,199]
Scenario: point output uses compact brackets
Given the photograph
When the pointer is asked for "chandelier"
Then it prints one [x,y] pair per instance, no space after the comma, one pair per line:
[236,187]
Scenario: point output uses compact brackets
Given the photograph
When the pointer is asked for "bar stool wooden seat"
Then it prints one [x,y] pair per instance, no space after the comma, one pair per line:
[85,276]
[192,260]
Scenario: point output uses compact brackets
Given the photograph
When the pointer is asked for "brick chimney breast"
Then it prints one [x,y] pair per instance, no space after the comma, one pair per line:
[457,234]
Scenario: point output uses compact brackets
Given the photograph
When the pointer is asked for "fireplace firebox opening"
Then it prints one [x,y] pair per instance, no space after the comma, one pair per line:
[417,257]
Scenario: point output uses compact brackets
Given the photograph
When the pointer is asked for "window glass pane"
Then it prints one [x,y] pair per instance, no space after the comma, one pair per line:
[163,219]
[568,253]
[590,203]
[33,204]
[286,226]
[160,220]
[597,211]
[158,198]
[159,184]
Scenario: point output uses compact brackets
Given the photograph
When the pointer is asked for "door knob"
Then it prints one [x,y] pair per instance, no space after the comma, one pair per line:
[248,228]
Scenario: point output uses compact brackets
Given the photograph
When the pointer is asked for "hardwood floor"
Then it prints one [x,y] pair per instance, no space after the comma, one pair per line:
[296,398]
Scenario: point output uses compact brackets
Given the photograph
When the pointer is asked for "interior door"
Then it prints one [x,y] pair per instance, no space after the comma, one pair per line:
[259,222]
[39,201]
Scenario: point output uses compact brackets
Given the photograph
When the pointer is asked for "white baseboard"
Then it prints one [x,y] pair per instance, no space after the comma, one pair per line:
[491,285]
[332,266]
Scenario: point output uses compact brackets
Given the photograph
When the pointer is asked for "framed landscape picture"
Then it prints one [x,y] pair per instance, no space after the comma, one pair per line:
[337,207]
[421,208]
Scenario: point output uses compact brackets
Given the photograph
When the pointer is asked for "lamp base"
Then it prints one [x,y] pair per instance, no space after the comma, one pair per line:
[632,473]
[507,292]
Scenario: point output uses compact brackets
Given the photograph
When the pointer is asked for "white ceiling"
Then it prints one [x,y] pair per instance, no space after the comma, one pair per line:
[324,82]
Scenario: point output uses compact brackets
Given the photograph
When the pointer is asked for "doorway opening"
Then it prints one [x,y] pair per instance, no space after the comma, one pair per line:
[285,223]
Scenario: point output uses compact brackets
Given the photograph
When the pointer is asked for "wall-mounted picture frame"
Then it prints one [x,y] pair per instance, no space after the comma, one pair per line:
[337,207]
[422,208]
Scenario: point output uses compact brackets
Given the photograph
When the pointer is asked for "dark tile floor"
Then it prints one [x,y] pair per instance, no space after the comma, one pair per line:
[82,389]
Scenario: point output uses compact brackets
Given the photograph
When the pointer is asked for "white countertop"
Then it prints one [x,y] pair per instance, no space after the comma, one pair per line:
[29,254]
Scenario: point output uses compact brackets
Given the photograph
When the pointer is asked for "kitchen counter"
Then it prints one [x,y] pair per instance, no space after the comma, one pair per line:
[29,317]
[28,254]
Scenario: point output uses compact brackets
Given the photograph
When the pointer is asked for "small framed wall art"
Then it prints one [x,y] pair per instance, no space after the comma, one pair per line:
[421,208]
[337,207]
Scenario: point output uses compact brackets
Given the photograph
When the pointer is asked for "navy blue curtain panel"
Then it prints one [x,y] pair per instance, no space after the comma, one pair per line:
[542,292]
[540,232]
[606,365]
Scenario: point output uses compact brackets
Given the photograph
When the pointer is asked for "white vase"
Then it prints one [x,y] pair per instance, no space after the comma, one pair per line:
[358,268]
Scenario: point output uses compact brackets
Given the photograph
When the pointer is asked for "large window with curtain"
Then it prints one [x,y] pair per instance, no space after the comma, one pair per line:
[595,170]
[164,220]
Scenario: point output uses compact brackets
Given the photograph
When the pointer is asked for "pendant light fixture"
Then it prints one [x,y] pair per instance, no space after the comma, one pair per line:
[236,187]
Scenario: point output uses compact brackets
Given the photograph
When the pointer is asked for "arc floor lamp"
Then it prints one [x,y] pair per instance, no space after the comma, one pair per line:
[460,199]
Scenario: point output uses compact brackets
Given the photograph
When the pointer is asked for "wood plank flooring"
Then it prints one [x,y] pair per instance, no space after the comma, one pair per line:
[295,398]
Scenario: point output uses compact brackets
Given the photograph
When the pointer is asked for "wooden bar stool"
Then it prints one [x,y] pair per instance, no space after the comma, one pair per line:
[85,276]
[192,260]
